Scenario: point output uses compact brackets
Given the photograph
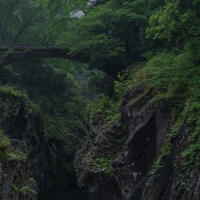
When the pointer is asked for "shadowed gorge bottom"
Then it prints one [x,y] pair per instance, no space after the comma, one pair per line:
[69,194]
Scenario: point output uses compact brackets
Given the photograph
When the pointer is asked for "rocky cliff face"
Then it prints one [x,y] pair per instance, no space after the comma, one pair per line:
[25,174]
[138,157]
[30,166]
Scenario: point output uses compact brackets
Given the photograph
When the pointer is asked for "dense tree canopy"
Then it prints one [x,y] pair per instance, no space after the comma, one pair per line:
[114,36]
[176,21]
[21,21]
[109,33]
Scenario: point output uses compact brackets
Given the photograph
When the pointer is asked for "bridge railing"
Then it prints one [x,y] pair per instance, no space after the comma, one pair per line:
[4,46]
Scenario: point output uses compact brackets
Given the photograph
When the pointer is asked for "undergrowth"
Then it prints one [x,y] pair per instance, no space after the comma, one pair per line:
[108,107]
[178,77]
[53,95]
[7,152]
[27,190]
[166,147]
[170,76]
[8,91]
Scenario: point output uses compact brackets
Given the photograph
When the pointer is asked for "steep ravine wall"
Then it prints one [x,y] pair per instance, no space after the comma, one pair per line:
[28,176]
[30,166]
[116,161]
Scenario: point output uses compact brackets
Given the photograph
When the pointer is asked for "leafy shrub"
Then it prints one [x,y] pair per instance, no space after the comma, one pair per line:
[177,76]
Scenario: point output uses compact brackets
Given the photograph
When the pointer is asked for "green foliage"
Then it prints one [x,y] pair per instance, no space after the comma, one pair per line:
[171,73]
[177,76]
[10,91]
[10,52]
[4,147]
[7,152]
[175,21]
[129,79]
[108,34]
[100,83]
[191,113]
[21,21]
[102,163]
[52,93]
[96,164]
[166,147]
[111,35]
[107,106]
[27,191]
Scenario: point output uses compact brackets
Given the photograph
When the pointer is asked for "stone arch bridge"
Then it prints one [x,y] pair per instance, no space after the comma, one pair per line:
[10,53]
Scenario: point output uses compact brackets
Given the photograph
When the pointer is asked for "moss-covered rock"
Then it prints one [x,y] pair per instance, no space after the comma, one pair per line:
[140,155]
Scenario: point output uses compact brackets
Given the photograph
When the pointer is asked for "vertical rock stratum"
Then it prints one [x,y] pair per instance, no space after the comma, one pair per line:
[139,156]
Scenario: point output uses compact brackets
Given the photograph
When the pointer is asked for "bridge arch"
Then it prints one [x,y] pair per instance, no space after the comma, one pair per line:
[10,53]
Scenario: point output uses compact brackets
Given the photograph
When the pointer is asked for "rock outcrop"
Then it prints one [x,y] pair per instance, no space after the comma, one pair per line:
[137,157]
[31,167]
[25,173]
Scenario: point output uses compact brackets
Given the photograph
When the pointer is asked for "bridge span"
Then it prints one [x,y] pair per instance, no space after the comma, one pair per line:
[10,53]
